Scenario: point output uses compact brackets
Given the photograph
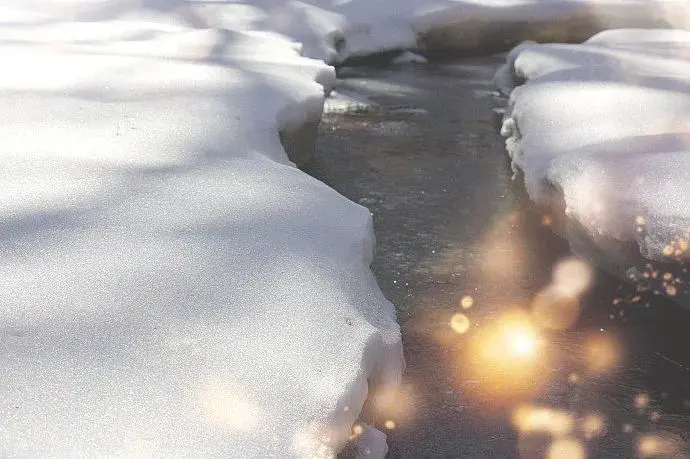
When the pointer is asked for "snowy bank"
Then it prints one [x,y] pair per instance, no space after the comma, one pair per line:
[600,132]
[336,31]
[171,284]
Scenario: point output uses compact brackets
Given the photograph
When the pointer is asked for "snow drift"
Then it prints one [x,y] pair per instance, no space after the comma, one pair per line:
[171,284]
[602,129]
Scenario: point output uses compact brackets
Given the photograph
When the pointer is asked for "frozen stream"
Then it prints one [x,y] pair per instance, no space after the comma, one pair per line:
[451,224]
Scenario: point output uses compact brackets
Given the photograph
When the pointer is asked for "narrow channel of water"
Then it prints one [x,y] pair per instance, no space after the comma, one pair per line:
[450,224]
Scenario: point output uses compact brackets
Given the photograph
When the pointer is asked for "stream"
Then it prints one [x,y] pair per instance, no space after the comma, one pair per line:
[455,235]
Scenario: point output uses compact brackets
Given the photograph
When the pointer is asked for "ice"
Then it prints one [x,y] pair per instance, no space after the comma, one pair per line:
[171,284]
[605,125]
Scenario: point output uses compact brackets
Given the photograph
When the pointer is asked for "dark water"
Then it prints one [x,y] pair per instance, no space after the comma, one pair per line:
[451,223]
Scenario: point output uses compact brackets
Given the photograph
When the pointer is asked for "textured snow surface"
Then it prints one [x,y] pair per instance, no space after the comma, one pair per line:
[171,284]
[607,123]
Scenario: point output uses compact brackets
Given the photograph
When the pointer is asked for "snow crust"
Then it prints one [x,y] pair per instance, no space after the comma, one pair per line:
[171,284]
[606,123]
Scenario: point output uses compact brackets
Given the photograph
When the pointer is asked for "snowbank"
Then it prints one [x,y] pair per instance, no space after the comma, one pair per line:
[171,284]
[603,130]
[338,30]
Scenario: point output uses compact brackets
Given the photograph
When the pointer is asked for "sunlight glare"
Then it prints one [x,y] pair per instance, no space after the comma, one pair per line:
[566,448]
[507,356]
[531,419]
[459,323]
[522,343]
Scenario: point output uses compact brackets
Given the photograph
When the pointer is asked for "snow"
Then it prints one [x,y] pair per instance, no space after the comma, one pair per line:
[172,284]
[335,30]
[605,123]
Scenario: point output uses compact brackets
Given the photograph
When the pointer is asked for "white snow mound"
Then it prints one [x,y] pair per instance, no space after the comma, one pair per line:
[171,284]
[607,123]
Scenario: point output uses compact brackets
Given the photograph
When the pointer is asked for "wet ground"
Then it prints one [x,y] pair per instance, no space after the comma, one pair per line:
[451,224]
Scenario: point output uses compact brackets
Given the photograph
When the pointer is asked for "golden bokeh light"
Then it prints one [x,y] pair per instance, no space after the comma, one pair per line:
[566,448]
[557,306]
[573,276]
[593,425]
[641,401]
[531,419]
[390,425]
[507,355]
[659,445]
[555,309]
[467,302]
[521,342]
[460,323]
[513,335]
[602,352]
